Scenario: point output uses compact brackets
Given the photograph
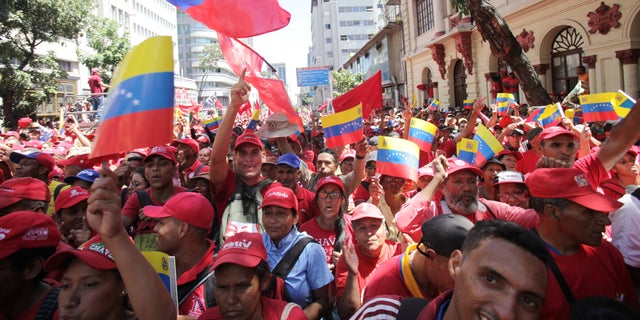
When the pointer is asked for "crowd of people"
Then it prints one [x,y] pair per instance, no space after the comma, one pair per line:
[271,224]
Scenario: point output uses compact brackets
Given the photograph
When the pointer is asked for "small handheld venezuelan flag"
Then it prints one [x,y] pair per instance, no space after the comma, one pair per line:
[253,124]
[343,128]
[422,133]
[467,149]
[598,106]
[434,104]
[398,158]
[504,101]
[488,145]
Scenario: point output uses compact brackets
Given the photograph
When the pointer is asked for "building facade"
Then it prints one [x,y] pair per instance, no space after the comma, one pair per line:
[446,56]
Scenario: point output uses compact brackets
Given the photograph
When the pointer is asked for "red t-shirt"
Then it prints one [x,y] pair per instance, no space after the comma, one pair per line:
[326,238]
[306,206]
[31,313]
[366,266]
[271,310]
[188,173]
[132,207]
[528,162]
[592,271]
[194,305]
[94,84]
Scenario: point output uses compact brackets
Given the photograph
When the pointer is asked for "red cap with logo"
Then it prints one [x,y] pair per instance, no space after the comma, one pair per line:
[366,210]
[249,137]
[245,249]
[70,197]
[330,180]
[280,196]
[189,207]
[26,229]
[551,132]
[93,252]
[454,165]
[163,151]
[570,184]
[16,189]
[81,160]
[193,144]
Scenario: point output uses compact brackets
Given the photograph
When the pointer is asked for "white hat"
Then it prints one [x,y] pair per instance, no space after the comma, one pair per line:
[277,125]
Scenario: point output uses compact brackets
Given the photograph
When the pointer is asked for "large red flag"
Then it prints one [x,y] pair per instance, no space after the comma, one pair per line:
[240,56]
[237,18]
[273,93]
[369,93]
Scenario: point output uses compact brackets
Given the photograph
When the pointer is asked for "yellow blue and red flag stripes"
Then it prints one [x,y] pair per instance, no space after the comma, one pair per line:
[467,149]
[434,104]
[344,127]
[139,111]
[161,263]
[422,133]
[503,101]
[468,104]
[398,158]
[623,104]
[549,115]
[253,124]
[598,106]
[212,123]
[488,145]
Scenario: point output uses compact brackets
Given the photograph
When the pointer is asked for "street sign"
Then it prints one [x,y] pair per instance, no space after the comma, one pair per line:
[312,76]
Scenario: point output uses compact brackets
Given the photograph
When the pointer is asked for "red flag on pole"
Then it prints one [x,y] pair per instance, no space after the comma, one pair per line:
[240,56]
[275,96]
[369,93]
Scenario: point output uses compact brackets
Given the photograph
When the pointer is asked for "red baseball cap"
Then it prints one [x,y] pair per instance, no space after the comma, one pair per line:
[163,151]
[505,152]
[81,160]
[550,132]
[245,249]
[280,196]
[70,197]
[193,144]
[94,253]
[26,229]
[570,184]
[45,160]
[330,180]
[16,189]
[350,154]
[248,137]
[366,210]
[454,165]
[189,207]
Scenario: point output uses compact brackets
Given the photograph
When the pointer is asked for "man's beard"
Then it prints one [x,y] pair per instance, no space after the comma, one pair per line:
[459,205]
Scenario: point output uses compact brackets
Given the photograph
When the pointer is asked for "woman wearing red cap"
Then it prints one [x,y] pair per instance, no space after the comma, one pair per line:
[307,283]
[242,275]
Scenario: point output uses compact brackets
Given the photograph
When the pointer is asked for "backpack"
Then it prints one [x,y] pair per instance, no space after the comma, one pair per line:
[207,277]
[48,306]
[243,212]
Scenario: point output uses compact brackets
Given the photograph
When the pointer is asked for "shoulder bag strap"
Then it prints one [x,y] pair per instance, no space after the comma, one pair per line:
[193,285]
[285,265]
[571,299]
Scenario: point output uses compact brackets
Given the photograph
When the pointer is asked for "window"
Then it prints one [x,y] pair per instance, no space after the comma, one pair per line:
[327,40]
[329,54]
[327,26]
[424,9]
[343,37]
[566,55]
[64,65]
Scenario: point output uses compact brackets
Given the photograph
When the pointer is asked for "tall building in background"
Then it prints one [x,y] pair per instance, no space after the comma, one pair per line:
[281,70]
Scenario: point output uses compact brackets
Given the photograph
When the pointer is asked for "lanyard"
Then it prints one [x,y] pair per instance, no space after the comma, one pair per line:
[407,275]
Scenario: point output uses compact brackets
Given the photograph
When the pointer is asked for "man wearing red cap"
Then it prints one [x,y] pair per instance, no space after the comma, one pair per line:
[187,156]
[19,194]
[184,223]
[27,239]
[159,169]
[361,255]
[573,217]
[37,165]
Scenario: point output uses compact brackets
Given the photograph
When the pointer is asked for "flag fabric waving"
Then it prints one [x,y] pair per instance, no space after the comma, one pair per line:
[237,18]
[139,111]
[598,106]
[549,115]
[240,56]
[274,95]
[488,145]
[623,104]
[344,127]
[398,158]
[253,124]
[467,149]
[369,93]
[504,101]
[422,133]
[434,104]
[212,123]
[468,104]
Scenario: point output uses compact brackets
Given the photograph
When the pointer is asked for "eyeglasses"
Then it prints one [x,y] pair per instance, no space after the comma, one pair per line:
[516,194]
[330,195]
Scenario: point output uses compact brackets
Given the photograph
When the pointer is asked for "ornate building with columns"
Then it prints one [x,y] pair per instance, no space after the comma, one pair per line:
[447,54]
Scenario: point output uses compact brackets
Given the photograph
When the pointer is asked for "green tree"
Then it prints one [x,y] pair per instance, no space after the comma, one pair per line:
[503,44]
[344,80]
[209,58]
[109,45]
[29,78]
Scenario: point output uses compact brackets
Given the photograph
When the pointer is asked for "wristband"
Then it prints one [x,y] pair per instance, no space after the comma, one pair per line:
[359,157]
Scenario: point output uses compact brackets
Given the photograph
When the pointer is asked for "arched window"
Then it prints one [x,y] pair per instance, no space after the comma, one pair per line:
[459,83]
[566,55]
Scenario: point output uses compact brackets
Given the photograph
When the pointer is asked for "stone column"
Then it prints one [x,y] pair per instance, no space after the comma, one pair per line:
[590,61]
[629,59]
[438,17]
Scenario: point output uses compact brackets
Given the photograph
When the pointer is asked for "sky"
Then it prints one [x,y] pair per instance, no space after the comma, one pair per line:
[289,44]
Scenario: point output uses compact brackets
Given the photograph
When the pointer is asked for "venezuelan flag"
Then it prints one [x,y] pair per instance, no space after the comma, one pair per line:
[504,101]
[164,265]
[548,116]
[398,157]
[598,106]
[488,145]
[139,110]
[467,149]
[344,127]
[253,124]
[237,18]
[623,104]
[433,106]
[468,104]
[422,133]
[212,123]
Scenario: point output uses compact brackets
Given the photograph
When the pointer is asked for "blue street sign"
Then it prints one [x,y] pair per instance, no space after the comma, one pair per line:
[312,76]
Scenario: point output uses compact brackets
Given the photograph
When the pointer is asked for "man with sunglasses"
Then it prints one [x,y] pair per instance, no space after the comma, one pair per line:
[422,271]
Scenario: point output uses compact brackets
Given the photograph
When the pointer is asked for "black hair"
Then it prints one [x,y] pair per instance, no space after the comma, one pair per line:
[602,308]
[332,153]
[508,231]
[23,257]
[338,224]
[263,271]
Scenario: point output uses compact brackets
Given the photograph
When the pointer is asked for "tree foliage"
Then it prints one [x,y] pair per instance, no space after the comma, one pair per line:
[27,77]
[210,56]
[344,80]
[109,45]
